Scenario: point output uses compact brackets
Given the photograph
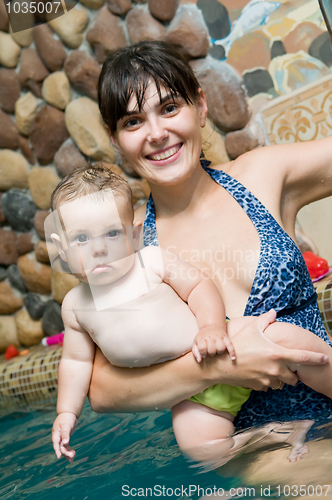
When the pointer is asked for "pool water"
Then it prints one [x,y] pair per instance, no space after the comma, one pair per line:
[118,456]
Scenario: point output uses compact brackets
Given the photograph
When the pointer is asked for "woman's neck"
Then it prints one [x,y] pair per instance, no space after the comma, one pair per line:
[183,196]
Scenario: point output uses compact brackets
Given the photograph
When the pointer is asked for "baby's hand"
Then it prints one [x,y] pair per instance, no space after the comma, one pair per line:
[63,427]
[212,340]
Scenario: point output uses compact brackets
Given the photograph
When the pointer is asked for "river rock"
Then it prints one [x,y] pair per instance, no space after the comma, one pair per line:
[257,80]
[213,144]
[51,51]
[9,51]
[164,11]
[41,252]
[52,321]
[24,243]
[19,209]
[4,21]
[242,141]
[25,37]
[3,273]
[93,4]
[8,249]
[29,331]
[56,90]
[8,333]
[39,220]
[15,279]
[35,304]
[217,52]
[10,89]
[2,215]
[8,132]
[32,71]
[42,182]
[13,170]
[225,93]
[189,31]
[321,48]
[252,50]
[85,126]
[70,27]
[119,7]
[26,149]
[62,283]
[291,71]
[67,158]
[25,111]
[142,26]
[278,49]
[216,18]
[10,300]
[83,72]
[98,35]
[48,132]
[301,37]
[36,276]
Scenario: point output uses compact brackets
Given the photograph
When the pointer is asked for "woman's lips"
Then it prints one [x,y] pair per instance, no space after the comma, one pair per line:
[164,156]
[103,268]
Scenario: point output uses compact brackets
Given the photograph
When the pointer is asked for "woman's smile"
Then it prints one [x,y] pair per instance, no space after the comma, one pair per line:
[166,155]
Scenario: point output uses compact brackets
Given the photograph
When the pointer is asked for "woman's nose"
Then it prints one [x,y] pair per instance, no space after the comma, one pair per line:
[158,132]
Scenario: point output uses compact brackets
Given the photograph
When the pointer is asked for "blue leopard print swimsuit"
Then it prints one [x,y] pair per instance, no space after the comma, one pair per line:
[281,282]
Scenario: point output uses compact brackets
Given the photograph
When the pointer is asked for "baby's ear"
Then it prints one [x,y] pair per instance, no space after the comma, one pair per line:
[137,232]
[58,243]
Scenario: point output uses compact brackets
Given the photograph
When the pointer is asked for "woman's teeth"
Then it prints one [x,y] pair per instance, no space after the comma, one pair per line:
[165,154]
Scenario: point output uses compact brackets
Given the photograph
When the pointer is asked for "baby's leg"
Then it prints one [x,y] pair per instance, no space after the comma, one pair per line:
[318,378]
[203,433]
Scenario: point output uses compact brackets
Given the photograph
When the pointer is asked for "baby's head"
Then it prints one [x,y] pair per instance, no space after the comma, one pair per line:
[94,224]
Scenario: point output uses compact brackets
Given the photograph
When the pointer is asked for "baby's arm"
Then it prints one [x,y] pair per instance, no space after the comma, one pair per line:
[204,300]
[73,382]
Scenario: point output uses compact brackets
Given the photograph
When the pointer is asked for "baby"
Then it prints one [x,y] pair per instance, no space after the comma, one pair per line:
[143,307]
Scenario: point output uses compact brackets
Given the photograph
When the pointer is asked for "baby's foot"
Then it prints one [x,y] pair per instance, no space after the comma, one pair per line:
[297,452]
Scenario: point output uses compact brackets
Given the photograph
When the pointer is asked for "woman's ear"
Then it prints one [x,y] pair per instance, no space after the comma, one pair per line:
[116,144]
[58,243]
[202,108]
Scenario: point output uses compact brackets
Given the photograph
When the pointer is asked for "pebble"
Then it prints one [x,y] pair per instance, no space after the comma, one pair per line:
[10,89]
[85,126]
[36,276]
[93,4]
[42,182]
[13,170]
[252,50]
[52,321]
[216,18]
[26,149]
[35,304]
[119,7]
[15,279]
[189,31]
[3,273]
[8,249]
[10,300]
[278,49]
[25,111]
[51,51]
[70,27]
[321,48]
[32,71]
[61,284]
[67,158]
[10,51]
[98,35]
[19,209]
[24,243]
[164,11]
[48,132]
[39,220]
[29,331]
[56,90]
[4,21]
[41,252]
[24,37]
[257,80]
[8,132]
[301,37]
[225,93]
[8,333]
[83,72]
[142,26]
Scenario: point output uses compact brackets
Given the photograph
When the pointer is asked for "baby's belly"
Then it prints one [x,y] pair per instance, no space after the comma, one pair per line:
[154,328]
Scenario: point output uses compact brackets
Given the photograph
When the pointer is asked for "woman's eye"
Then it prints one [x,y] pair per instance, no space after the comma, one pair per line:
[170,108]
[82,238]
[132,123]
[112,234]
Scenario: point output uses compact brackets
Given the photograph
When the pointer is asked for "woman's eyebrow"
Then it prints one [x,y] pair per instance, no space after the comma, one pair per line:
[163,100]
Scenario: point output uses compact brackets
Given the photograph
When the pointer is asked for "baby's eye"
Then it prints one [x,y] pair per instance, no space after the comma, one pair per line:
[82,238]
[112,234]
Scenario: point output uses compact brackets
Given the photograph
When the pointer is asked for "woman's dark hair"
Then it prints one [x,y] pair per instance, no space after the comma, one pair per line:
[128,71]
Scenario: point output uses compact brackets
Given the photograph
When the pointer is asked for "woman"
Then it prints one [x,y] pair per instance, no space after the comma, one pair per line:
[235,222]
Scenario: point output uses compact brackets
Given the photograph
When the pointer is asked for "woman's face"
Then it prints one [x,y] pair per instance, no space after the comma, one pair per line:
[163,142]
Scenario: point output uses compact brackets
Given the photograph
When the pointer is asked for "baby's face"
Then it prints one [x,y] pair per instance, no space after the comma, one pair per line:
[98,240]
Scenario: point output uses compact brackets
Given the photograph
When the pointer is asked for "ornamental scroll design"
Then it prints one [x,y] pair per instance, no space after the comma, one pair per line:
[306,121]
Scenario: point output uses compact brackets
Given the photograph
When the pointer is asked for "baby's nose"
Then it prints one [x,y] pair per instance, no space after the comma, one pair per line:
[99,246]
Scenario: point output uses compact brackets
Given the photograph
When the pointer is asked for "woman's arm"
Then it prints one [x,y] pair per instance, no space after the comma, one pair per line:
[259,364]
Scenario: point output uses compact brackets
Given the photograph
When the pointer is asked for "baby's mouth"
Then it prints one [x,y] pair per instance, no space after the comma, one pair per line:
[164,155]
[102,268]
